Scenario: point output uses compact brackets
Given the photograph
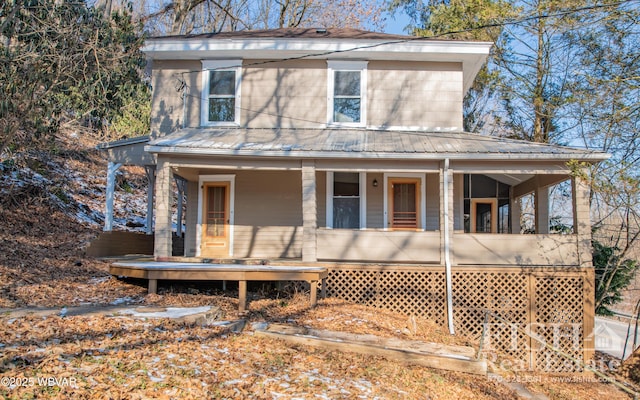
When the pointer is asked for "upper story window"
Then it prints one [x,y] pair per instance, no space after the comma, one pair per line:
[221,92]
[346,100]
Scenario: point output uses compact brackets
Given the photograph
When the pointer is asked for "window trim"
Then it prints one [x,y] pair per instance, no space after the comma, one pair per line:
[362,176]
[219,65]
[332,67]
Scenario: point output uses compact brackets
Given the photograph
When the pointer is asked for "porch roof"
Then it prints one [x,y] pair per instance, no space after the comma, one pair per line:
[360,144]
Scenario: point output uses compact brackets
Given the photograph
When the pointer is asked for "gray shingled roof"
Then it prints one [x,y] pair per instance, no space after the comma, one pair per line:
[359,143]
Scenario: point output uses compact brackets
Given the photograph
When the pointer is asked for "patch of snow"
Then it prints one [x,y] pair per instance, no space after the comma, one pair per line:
[170,312]
[99,279]
[122,300]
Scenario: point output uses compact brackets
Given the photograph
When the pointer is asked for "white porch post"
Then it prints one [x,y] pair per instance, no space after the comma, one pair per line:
[446,234]
[542,209]
[151,182]
[309,212]
[182,185]
[162,242]
[111,183]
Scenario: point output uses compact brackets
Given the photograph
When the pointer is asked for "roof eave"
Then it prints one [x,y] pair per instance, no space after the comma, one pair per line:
[178,150]
[123,142]
[471,55]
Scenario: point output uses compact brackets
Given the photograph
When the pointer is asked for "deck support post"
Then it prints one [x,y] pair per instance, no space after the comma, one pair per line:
[153,286]
[111,183]
[150,171]
[309,212]
[242,296]
[314,293]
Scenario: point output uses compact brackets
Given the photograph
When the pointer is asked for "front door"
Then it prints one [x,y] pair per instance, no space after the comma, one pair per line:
[215,221]
[404,199]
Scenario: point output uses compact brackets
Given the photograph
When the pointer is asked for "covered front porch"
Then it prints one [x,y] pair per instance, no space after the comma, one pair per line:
[411,212]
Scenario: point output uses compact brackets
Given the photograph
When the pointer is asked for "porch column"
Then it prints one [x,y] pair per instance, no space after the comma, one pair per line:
[542,209]
[309,212]
[191,219]
[582,220]
[515,207]
[582,227]
[164,197]
[182,185]
[151,182]
[111,183]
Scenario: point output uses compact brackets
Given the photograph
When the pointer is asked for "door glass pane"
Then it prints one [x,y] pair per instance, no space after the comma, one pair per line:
[216,210]
[503,216]
[483,217]
[404,205]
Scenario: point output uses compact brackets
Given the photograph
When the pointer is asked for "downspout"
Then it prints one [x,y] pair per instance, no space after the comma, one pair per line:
[447,248]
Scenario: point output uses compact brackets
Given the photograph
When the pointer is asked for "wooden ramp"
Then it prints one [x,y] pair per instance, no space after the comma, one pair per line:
[432,355]
[154,271]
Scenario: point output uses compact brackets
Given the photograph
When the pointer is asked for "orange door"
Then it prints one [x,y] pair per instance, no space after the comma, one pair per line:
[215,224]
[404,200]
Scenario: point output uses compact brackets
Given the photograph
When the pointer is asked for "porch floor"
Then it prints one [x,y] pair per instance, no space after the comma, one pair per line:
[155,270]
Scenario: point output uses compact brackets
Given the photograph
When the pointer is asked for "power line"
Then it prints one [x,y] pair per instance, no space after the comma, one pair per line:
[518,21]
[183,87]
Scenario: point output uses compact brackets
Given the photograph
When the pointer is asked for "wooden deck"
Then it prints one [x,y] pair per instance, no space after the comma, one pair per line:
[153,271]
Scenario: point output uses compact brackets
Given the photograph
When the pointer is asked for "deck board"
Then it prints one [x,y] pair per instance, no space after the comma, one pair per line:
[155,270]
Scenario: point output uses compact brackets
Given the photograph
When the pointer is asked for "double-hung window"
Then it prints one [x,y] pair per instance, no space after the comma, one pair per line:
[346,200]
[221,92]
[347,85]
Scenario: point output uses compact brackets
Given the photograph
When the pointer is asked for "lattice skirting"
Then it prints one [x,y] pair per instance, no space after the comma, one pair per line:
[554,305]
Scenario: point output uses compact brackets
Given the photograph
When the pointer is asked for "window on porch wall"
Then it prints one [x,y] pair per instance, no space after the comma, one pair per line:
[486,205]
[346,200]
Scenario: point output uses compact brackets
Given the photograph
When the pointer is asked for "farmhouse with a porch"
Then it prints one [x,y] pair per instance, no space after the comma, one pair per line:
[344,149]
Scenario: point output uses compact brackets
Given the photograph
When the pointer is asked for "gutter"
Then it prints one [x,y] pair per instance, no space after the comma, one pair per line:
[286,151]
[447,248]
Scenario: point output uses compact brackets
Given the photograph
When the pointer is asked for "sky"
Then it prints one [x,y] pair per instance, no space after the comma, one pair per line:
[397,23]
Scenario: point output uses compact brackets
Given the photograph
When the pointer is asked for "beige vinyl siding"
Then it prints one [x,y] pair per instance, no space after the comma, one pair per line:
[415,94]
[378,245]
[268,214]
[288,94]
[433,202]
[499,249]
[166,103]
[375,201]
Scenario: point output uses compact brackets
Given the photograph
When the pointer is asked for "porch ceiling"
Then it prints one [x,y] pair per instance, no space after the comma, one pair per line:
[360,144]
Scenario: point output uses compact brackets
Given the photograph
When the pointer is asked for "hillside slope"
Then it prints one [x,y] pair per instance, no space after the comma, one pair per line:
[50,209]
